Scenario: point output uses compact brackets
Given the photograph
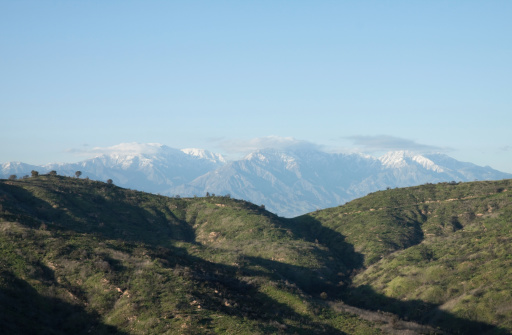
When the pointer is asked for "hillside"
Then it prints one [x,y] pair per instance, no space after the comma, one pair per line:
[80,256]
[429,250]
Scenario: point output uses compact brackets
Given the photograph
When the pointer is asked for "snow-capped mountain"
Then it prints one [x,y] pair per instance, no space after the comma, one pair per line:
[147,167]
[16,168]
[205,154]
[293,182]
[288,182]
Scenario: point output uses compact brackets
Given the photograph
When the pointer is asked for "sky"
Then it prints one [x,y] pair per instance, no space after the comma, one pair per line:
[231,76]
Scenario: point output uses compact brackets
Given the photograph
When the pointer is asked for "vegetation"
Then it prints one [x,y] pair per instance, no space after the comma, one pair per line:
[80,256]
[437,254]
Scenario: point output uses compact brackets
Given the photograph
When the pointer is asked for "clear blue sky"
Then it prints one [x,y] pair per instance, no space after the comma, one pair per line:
[346,75]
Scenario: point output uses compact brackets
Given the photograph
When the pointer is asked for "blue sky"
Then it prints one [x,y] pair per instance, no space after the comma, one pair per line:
[228,76]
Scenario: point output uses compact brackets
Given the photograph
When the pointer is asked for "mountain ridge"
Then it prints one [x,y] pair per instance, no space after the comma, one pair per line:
[290,181]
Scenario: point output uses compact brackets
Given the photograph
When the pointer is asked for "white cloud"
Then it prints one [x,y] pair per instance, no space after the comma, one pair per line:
[243,146]
[123,148]
[391,143]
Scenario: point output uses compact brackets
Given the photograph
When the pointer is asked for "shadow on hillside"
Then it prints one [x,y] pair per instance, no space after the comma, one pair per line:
[307,228]
[418,311]
[107,212]
[365,297]
[233,290]
[236,295]
[24,311]
[28,312]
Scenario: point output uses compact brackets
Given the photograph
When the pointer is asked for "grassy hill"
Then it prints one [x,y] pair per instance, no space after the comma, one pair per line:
[80,256]
[438,254]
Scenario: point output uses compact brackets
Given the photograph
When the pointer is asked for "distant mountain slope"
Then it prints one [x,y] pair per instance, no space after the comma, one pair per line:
[293,182]
[16,168]
[151,167]
[288,182]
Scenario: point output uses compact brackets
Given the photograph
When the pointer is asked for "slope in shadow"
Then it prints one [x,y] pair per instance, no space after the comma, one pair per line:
[24,311]
[365,297]
[110,214]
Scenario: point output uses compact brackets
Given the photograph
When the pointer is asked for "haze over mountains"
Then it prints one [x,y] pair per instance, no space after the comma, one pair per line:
[289,182]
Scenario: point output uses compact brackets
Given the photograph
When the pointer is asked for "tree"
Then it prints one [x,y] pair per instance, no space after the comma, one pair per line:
[34,173]
[52,173]
[78,174]
[12,177]
[110,182]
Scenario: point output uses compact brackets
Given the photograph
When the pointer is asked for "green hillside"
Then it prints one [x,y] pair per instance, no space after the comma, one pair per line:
[80,256]
[438,254]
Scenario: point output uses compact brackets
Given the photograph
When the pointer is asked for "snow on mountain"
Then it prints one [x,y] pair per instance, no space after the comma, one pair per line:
[16,168]
[401,159]
[205,154]
[289,182]
[150,167]
[293,182]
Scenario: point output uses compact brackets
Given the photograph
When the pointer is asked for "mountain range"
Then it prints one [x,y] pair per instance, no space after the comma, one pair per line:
[288,182]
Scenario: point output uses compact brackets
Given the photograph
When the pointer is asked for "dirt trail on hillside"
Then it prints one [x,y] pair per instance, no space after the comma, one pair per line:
[421,203]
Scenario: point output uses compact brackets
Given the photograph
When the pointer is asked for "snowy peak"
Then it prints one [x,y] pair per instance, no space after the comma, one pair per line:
[274,158]
[289,181]
[204,154]
[268,155]
[403,158]
[15,168]
[428,164]
[396,159]
[147,155]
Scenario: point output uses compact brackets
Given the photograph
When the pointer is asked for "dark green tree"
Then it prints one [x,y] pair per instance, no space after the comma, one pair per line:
[34,173]
[78,174]
[52,173]
[12,177]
